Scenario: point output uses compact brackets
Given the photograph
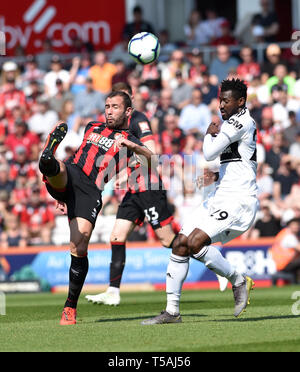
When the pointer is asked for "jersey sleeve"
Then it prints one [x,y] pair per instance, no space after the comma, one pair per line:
[233,129]
[140,127]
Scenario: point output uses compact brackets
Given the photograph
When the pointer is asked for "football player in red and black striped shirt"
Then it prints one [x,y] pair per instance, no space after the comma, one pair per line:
[106,148]
[146,198]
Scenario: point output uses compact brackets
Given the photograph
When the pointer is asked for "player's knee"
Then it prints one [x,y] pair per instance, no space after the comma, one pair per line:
[195,244]
[79,245]
[180,247]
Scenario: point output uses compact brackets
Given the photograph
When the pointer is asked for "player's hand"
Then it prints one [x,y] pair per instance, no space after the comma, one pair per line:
[61,207]
[213,129]
[123,142]
[207,179]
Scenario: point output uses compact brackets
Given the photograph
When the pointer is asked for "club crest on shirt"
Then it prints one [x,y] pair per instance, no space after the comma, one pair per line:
[144,126]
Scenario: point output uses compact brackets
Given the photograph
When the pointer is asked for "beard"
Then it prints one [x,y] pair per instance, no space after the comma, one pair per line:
[117,123]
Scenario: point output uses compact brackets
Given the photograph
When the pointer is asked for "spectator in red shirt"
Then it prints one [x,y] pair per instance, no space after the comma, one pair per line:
[21,164]
[226,38]
[37,219]
[171,133]
[248,69]
[10,97]
[23,137]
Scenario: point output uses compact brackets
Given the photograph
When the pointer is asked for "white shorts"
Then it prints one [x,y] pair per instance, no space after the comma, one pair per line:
[222,218]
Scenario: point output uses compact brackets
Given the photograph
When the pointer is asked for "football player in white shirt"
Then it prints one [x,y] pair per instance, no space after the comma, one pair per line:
[228,212]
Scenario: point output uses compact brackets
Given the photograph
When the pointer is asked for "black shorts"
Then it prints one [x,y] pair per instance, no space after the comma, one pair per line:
[150,204]
[81,195]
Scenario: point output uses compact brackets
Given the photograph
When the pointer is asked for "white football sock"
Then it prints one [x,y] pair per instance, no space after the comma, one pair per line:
[113,290]
[213,260]
[176,273]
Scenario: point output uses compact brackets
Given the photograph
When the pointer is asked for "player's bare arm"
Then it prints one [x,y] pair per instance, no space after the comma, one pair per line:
[207,179]
[142,151]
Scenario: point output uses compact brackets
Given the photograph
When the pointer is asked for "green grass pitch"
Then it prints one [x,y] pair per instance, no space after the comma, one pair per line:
[31,324]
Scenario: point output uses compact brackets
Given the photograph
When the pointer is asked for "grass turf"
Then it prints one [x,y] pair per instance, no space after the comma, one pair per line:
[31,323]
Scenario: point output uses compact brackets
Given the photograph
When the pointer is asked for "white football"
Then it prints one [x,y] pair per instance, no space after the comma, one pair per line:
[144,48]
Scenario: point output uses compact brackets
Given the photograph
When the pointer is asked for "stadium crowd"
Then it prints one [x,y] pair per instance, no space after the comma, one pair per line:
[179,95]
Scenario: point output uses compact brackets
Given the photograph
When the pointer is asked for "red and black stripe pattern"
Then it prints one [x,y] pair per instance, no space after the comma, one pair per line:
[98,157]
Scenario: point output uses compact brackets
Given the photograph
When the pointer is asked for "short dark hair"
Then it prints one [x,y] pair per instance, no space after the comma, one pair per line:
[237,86]
[122,86]
[125,96]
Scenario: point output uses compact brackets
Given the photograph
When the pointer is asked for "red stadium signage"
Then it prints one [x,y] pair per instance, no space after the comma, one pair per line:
[27,23]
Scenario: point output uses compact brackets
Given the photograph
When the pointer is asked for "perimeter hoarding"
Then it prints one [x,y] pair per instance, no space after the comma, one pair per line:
[27,23]
[144,264]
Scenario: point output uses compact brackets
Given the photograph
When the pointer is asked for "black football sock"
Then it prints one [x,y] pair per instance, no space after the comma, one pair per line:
[77,274]
[49,167]
[118,258]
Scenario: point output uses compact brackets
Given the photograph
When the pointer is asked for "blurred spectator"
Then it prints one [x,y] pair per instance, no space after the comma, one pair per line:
[274,155]
[294,150]
[68,114]
[23,137]
[172,132]
[138,25]
[284,178]
[259,89]
[43,121]
[182,93]
[56,72]
[151,76]
[268,224]
[45,56]
[168,70]
[37,219]
[120,52]
[274,58]
[62,95]
[195,34]
[122,72]
[286,250]
[223,64]
[78,45]
[166,46]
[164,107]
[293,129]
[265,25]
[32,72]
[197,68]
[209,91]
[226,37]
[212,25]
[102,73]
[34,92]
[79,72]
[265,182]
[10,97]
[12,235]
[248,69]
[266,128]
[196,116]
[6,184]
[21,164]
[282,107]
[90,102]
[282,79]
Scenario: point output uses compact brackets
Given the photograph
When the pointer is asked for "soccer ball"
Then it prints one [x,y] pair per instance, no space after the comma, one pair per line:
[144,48]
